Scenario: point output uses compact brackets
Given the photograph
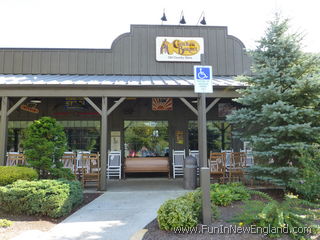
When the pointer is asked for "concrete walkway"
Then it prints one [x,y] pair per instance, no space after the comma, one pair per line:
[117,214]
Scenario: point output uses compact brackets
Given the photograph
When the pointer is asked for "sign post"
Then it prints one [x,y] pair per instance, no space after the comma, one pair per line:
[203,85]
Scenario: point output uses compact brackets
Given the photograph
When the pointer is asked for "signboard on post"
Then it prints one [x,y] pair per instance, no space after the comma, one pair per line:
[203,85]
[203,79]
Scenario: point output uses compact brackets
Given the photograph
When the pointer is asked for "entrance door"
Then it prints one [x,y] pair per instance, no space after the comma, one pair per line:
[146,138]
[146,148]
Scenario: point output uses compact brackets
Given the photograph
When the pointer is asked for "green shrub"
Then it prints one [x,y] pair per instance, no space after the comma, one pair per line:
[196,200]
[65,173]
[176,213]
[225,194]
[290,214]
[307,182]
[44,143]
[10,174]
[184,211]
[53,198]
[4,223]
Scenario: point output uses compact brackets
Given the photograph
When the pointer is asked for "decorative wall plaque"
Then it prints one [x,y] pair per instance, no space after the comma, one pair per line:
[162,104]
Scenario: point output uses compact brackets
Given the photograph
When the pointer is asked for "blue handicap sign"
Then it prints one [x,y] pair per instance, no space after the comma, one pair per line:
[203,79]
[202,73]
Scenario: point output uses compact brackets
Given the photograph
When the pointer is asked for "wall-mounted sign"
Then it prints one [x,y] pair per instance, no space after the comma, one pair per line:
[162,104]
[29,108]
[115,140]
[179,49]
[179,137]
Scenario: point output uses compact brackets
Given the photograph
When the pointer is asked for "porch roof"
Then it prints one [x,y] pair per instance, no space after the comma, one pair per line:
[112,80]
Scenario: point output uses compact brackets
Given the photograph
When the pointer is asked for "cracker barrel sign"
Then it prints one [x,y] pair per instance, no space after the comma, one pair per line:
[179,49]
[162,104]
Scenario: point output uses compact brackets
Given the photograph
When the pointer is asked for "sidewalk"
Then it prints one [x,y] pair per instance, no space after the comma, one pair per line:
[115,215]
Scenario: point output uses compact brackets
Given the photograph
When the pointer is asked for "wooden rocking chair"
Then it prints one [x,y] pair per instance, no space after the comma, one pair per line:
[91,169]
[218,166]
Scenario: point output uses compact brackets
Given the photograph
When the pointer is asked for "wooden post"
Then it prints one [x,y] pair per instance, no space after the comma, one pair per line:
[3,130]
[103,144]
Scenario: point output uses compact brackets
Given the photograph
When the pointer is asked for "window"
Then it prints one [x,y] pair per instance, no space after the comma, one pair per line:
[81,135]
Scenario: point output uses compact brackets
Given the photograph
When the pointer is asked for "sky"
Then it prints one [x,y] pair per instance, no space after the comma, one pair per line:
[96,23]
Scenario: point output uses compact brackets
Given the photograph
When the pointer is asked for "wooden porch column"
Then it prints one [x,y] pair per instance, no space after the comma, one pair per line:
[3,130]
[103,144]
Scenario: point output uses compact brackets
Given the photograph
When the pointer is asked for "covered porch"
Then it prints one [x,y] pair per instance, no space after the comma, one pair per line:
[112,100]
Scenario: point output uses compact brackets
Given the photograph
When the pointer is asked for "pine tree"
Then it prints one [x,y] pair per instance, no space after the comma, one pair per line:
[44,143]
[280,114]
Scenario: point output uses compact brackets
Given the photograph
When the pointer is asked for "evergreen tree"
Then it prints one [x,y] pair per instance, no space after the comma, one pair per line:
[44,143]
[280,113]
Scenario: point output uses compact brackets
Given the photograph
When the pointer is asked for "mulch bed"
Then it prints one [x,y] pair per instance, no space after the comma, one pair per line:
[24,223]
[226,214]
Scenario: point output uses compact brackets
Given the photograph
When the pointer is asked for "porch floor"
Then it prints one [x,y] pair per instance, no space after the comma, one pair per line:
[144,184]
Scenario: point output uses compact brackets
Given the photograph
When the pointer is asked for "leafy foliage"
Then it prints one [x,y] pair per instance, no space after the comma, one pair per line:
[225,194]
[176,213]
[4,223]
[65,173]
[289,215]
[44,143]
[182,212]
[280,105]
[52,198]
[307,181]
[10,174]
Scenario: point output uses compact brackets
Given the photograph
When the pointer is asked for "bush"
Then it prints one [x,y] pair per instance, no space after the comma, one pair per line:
[10,174]
[307,183]
[225,194]
[289,215]
[184,211]
[66,173]
[176,213]
[4,223]
[52,198]
[44,143]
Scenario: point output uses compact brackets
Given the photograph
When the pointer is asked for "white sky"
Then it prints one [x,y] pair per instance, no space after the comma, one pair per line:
[96,23]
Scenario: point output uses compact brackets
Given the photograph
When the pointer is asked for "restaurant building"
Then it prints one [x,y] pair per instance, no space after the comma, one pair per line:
[137,97]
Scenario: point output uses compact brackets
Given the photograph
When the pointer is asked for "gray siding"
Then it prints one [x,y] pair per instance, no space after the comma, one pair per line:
[132,53]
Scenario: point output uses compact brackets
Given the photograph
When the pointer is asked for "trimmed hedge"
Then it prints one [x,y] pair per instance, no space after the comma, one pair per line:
[52,198]
[10,174]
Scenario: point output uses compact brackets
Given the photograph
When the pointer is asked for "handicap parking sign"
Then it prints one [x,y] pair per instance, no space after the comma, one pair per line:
[203,79]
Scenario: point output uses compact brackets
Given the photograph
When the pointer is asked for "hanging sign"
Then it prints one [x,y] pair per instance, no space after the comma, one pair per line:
[162,104]
[29,108]
[179,49]
[75,103]
[203,79]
